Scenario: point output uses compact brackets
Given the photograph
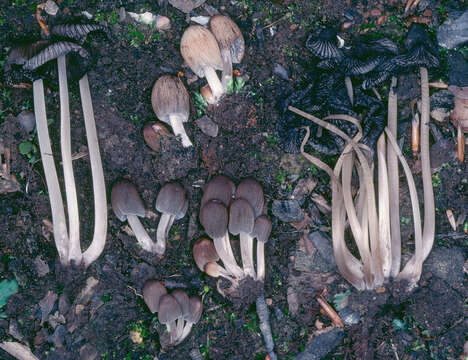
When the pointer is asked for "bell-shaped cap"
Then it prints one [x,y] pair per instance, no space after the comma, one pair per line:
[218,188]
[214,219]
[262,228]
[251,190]
[153,290]
[171,199]
[183,300]
[126,201]
[169,309]
[204,252]
[241,217]
[229,36]
[196,309]
[170,98]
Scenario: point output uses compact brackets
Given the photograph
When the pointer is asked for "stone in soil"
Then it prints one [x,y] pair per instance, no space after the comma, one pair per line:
[287,210]
[207,126]
[454,31]
[321,345]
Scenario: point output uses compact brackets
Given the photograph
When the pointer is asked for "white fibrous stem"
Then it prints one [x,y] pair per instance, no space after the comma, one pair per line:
[162,232]
[229,263]
[50,172]
[215,85]
[74,252]
[349,89]
[179,329]
[140,233]
[97,173]
[246,245]
[260,261]
[178,127]
[172,329]
[227,68]
[17,350]
[185,332]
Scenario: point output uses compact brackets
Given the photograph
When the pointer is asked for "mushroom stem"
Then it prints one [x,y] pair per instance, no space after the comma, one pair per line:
[140,233]
[265,327]
[228,261]
[187,328]
[460,143]
[53,187]
[17,350]
[246,245]
[164,226]
[415,134]
[227,67]
[172,329]
[179,130]
[385,244]
[260,261]
[99,186]
[179,329]
[349,89]
[213,80]
[74,251]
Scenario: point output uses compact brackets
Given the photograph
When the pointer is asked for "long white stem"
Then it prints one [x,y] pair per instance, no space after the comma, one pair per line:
[185,332]
[172,329]
[179,130]
[230,265]
[260,261]
[164,226]
[227,67]
[140,233]
[349,89]
[17,350]
[246,245]
[215,85]
[74,252]
[179,329]
[53,187]
[97,173]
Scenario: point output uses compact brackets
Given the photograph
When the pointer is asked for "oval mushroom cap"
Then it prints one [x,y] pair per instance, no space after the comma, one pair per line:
[152,292]
[212,269]
[126,201]
[262,228]
[169,97]
[204,252]
[183,211]
[251,190]
[241,217]
[219,188]
[200,49]
[171,199]
[214,218]
[183,300]
[196,309]
[169,309]
[229,36]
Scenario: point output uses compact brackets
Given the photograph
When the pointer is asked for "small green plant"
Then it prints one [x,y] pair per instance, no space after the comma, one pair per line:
[30,150]
[436,180]
[7,288]
[235,86]
[399,324]
[340,300]
[135,35]
[200,104]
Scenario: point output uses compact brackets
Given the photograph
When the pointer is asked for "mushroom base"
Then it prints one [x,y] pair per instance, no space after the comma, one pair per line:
[245,293]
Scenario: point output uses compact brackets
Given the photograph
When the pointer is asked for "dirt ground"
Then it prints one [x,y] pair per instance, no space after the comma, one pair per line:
[428,323]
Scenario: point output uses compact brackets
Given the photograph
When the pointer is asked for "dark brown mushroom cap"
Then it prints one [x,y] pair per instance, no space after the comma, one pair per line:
[126,201]
[169,309]
[251,190]
[183,300]
[218,188]
[153,132]
[169,97]
[200,49]
[241,217]
[325,45]
[152,292]
[262,228]
[171,199]
[214,218]
[204,252]
[196,309]
[229,36]
[355,66]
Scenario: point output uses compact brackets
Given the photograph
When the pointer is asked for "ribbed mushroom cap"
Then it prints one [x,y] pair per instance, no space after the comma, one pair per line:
[241,217]
[169,309]
[214,218]
[196,309]
[152,292]
[262,228]
[126,201]
[169,97]
[229,36]
[357,66]
[171,199]
[218,188]
[325,45]
[183,300]
[200,49]
[251,190]
[204,252]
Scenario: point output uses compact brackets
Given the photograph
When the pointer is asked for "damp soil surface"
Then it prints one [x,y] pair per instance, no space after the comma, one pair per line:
[99,313]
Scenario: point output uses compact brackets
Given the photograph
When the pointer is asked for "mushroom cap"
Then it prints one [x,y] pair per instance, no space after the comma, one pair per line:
[169,309]
[171,199]
[241,217]
[214,218]
[152,292]
[183,300]
[219,188]
[152,133]
[196,309]
[357,66]
[183,211]
[262,228]
[126,201]
[252,191]
[459,91]
[169,97]
[213,269]
[200,49]
[325,45]
[229,36]
[204,252]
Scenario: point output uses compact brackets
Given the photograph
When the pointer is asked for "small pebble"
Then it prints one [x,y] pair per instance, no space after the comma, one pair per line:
[207,126]
[162,23]
[27,120]
[51,7]
[287,210]
[346,25]
[280,71]
[349,317]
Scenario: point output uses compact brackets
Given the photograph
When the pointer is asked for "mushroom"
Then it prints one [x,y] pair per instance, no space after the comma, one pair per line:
[251,190]
[168,313]
[193,316]
[204,252]
[261,231]
[152,133]
[218,188]
[459,117]
[215,270]
[127,205]
[172,202]
[183,300]
[152,292]
[201,52]
[325,45]
[171,104]
[231,44]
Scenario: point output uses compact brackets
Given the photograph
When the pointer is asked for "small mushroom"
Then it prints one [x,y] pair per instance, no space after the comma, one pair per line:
[204,252]
[172,202]
[251,190]
[218,188]
[215,270]
[153,133]
[171,104]
[200,51]
[152,292]
[168,313]
[325,46]
[261,231]
[459,117]
[183,300]
[231,43]
[193,316]
[127,205]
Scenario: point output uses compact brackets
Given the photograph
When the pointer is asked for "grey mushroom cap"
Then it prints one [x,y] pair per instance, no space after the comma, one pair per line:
[171,199]
[183,211]
[229,36]
[170,97]
[251,190]
[183,300]
[126,201]
[262,228]
[214,218]
[169,309]
[325,45]
[218,188]
[204,252]
[241,217]
[153,290]
[196,309]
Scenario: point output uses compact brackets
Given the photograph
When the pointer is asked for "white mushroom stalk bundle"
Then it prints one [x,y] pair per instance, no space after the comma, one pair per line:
[177,311]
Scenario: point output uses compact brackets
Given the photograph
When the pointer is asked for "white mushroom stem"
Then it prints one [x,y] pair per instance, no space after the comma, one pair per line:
[227,67]
[215,85]
[164,226]
[185,332]
[228,261]
[349,89]
[179,130]
[53,187]
[385,243]
[246,245]
[74,252]
[179,329]
[140,233]
[260,260]
[99,186]
[172,329]
[17,350]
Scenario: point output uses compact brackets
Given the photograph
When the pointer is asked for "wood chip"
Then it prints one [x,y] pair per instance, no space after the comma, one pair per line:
[451,219]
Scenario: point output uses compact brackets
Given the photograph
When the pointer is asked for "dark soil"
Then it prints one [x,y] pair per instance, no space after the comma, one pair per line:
[427,323]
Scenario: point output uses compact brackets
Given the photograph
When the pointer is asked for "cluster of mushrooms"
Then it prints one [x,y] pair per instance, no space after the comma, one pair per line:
[176,310]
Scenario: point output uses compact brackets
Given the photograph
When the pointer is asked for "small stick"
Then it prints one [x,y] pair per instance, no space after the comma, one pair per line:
[331,313]
[40,20]
[265,327]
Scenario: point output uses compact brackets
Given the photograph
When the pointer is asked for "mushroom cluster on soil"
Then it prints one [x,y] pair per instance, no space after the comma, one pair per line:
[178,311]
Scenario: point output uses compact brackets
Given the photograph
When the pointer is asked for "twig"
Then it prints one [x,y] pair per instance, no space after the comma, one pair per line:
[265,326]
[275,22]
[331,313]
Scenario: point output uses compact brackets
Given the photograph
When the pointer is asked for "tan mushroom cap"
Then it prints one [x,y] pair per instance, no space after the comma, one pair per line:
[152,292]
[262,228]
[172,199]
[214,218]
[251,190]
[169,309]
[170,97]
[219,188]
[126,201]
[196,309]
[241,217]
[204,252]
[183,300]
[229,36]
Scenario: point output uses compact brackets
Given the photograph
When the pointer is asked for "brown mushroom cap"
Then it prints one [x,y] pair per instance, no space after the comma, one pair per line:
[152,292]
[229,36]
[171,199]
[126,201]
[169,309]
[241,217]
[252,191]
[183,300]
[262,228]
[204,252]
[169,97]
[219,188]
[152,133]
[214,218]
[213,269]
[196,309]
[200,49]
